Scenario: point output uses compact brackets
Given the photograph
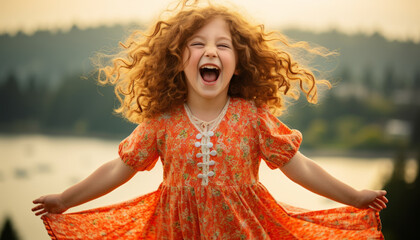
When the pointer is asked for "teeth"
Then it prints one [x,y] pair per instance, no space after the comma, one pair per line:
[209,67]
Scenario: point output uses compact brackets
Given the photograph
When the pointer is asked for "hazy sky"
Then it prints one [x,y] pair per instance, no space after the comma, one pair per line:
[396,19]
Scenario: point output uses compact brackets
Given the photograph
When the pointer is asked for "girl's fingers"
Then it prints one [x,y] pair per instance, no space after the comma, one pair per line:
[39,200]
[37,208]
[381,203]
[40,208]
[376,206]
[384,199]
[41,212]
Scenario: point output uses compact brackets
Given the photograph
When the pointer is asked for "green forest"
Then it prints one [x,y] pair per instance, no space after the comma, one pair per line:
[79,106]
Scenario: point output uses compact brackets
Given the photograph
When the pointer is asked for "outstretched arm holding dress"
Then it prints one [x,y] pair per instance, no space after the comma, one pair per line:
[102,181]
[311,176]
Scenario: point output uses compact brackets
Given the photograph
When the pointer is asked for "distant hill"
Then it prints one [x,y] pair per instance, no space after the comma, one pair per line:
[359,52]
[49,57]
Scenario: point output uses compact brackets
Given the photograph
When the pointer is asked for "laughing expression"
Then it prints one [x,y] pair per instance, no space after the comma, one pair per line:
[210,61]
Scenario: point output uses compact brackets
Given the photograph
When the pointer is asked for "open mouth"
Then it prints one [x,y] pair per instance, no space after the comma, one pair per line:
[209,73]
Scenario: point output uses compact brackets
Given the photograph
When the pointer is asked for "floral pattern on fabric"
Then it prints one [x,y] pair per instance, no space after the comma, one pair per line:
[233,204]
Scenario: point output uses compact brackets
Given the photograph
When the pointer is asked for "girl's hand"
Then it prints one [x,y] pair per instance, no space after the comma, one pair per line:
[94,186]
[375,200]
[311,176]
[49,204]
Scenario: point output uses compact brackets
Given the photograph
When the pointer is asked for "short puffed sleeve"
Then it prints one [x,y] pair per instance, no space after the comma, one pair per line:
[278,144]
[139,149]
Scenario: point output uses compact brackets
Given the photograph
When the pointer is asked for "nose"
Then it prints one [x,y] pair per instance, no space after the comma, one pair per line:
[211,52]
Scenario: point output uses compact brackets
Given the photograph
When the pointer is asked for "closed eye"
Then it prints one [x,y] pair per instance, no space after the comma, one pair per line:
[197,44]
[224,46]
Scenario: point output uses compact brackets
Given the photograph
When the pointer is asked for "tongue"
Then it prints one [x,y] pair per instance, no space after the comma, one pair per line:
[209,76]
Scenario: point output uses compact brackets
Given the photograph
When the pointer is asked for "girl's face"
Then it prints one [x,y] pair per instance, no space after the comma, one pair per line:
[210,61]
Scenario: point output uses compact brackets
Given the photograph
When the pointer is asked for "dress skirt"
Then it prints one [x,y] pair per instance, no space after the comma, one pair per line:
[237,212]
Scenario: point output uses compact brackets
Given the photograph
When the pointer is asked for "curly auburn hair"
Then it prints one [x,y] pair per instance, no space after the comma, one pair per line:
[149,78]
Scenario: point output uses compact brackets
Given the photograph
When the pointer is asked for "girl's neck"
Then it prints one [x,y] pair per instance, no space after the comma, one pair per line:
[207,109]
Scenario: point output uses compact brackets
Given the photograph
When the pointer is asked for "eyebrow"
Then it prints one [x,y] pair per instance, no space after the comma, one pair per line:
[218,39]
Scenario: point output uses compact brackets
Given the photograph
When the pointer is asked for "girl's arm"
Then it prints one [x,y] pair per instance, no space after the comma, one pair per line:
[311,176]
[102,181]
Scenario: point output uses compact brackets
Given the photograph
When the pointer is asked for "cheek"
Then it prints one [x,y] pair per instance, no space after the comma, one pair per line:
[229,62]
[191,59]
[185,57]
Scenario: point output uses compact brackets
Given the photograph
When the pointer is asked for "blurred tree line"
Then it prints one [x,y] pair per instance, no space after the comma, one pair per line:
[358,112]
[77,107]
[349,121]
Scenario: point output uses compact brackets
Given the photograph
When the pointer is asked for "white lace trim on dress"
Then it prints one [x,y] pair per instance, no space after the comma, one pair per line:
[206,130]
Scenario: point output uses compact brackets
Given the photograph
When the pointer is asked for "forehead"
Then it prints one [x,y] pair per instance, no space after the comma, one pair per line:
[216,27]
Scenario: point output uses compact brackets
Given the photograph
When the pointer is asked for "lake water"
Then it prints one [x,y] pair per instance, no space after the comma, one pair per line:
[35,165]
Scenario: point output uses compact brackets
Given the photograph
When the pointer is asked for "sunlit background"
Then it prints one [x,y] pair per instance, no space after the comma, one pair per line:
[397,20]
[57,126]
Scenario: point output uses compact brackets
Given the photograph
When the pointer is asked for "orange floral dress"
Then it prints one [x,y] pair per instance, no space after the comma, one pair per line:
[211,188]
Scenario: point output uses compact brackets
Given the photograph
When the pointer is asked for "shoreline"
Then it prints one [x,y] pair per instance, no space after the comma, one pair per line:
[321,152]
[353,153]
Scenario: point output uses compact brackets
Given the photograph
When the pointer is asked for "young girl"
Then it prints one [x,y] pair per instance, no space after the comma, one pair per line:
[203,86]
